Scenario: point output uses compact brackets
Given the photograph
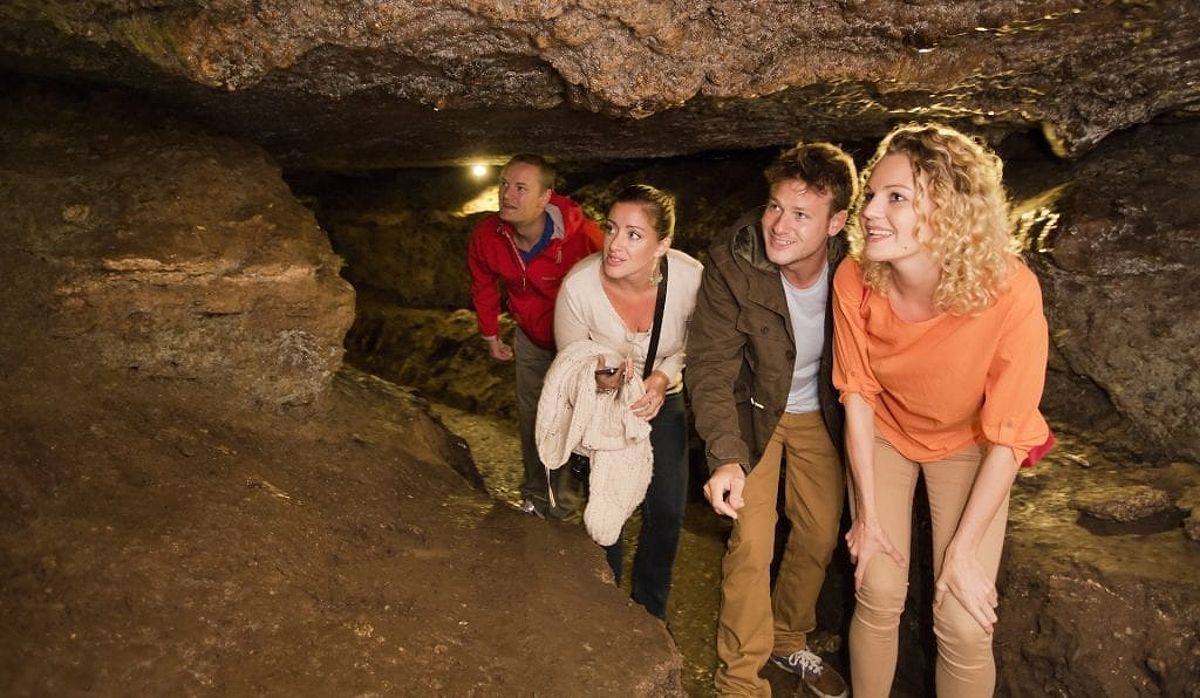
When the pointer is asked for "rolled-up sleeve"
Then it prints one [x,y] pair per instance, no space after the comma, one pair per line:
[1017,374]
[851,367]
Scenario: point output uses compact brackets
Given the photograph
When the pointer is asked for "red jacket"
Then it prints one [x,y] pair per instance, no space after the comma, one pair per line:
[532,288]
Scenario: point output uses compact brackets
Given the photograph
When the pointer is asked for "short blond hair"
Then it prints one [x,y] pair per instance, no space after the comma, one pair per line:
[967,227]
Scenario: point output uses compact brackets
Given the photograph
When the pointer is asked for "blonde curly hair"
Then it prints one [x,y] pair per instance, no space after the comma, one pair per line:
[966,227]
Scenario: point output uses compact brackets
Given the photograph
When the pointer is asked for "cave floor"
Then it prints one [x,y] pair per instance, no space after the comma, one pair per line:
[695,593]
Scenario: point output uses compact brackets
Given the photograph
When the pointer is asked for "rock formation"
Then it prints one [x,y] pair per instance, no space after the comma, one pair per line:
[162,533]
[166,254]
[354,85]
[1117,279]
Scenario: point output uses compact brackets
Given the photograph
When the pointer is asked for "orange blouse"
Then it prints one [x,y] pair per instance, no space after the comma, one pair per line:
[939,385]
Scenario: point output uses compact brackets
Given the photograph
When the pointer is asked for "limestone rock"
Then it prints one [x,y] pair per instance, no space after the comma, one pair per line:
[166,253]
[1191,528]
[1124,504]
[349,85]
[1117,275]
[1096,615]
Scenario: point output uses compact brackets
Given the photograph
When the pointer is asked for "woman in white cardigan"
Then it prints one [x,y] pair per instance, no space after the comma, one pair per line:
[609,298]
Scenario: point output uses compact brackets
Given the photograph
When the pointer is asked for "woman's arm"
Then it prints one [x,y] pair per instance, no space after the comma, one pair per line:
[569,323]
[1011,424]
[866,537]
[962,574]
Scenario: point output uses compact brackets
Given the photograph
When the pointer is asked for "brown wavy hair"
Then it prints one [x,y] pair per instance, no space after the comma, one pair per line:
[966,227]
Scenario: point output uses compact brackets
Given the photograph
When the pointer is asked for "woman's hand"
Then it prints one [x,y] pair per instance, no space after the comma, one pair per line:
[609,378]
[865,539]
[648,405]
[965,578]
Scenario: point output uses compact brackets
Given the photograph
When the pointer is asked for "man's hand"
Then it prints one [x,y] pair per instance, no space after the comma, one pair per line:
[724,489]
[498,349]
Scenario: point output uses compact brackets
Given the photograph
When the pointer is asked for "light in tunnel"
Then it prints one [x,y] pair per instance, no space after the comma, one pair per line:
[479,170]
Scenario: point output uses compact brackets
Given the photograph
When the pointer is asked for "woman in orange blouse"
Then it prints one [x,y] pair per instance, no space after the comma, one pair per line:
[940,357]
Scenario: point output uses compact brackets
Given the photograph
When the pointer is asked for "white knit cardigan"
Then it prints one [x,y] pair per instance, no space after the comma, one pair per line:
[572,416]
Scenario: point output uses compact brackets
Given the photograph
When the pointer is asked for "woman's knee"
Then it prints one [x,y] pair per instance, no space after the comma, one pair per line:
[880,599]
[959,636]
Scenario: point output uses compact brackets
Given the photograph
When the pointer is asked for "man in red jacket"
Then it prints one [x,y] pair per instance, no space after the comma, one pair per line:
[527,247]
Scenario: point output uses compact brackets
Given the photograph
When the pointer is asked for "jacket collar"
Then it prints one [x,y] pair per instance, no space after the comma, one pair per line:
[748,245]
[505,228]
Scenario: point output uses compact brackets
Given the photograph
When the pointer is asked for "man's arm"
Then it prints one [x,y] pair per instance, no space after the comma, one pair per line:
[485,295]
[715,354]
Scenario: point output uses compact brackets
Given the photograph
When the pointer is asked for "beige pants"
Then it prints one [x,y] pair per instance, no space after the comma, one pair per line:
[752,625]
[965,666]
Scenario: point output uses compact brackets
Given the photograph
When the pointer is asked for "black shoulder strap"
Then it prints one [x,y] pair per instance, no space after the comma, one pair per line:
[659,303]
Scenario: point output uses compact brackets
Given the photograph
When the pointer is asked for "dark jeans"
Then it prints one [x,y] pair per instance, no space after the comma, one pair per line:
[662,510]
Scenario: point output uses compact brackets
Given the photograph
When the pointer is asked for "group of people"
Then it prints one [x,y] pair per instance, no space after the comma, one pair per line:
[907,341]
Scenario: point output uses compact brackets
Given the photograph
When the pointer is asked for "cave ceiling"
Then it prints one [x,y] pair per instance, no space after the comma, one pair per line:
[369,84]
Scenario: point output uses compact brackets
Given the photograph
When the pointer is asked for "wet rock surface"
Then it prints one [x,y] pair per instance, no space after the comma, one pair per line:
[156,542]
[1117,277]
[1124,504]
[348,85]
[1084,614]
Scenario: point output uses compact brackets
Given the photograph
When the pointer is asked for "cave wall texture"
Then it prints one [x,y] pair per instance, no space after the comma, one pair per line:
[368,84]
[219,276]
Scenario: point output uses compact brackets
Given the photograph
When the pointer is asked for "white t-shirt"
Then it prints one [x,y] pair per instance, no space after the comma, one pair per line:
[806,306]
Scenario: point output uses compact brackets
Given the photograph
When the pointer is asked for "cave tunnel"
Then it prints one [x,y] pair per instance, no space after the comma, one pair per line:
[254,444]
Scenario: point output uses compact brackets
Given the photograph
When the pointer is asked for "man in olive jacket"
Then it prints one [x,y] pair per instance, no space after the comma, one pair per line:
[759,377]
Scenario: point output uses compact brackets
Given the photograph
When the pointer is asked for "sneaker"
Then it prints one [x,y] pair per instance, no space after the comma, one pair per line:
[529,507]
[821,680]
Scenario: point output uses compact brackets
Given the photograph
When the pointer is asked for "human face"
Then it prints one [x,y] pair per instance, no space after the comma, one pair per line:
[522,197]
[797,225]
[631,244]
[888,216]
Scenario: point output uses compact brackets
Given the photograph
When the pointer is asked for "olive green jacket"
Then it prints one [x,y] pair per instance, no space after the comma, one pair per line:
[741,351]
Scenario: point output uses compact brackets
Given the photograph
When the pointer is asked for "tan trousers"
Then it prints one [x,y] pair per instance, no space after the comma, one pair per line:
[751,625]
[965,666]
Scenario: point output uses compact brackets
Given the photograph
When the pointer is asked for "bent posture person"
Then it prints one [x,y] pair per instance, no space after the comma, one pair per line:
[760,382]
[527,247]
[940,358]
[613,299]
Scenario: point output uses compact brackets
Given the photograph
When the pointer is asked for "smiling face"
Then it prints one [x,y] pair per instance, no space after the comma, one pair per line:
[888,216]
[797,225]
[631,243]
[523,198]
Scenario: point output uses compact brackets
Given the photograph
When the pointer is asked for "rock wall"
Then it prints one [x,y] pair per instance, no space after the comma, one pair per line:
[161,534]
[1118,276]
[169,254]
[350,85]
